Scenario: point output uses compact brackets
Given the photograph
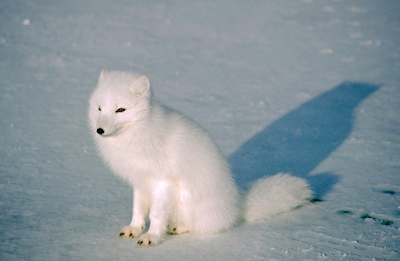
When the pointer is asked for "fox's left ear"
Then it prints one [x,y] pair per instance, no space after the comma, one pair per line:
[142,86]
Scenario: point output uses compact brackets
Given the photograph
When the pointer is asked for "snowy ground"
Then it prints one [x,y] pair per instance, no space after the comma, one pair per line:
[306,86]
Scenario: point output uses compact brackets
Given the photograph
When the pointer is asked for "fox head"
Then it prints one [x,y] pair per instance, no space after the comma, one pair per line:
[120,99]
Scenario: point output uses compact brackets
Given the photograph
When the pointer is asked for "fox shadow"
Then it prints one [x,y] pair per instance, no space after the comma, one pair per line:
[299,141]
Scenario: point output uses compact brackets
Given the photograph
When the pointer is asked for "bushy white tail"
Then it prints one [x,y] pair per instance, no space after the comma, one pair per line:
[270,196]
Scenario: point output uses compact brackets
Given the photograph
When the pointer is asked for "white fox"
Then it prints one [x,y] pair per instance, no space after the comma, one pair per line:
[180,178]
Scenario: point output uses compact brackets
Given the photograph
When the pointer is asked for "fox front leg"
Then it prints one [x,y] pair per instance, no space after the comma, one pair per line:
[141,205]
[163,200]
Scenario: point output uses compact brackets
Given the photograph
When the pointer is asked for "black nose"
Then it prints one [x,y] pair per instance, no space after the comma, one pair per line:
[100,131]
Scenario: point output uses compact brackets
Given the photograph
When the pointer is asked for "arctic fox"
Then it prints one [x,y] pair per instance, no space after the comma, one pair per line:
[180,178]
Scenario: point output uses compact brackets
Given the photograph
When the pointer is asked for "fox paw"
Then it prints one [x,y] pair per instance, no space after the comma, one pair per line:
[177,230]
[132,232]
[149,240]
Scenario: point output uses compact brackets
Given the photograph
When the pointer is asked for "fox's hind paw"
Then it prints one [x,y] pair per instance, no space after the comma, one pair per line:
[177,230]
[131,232]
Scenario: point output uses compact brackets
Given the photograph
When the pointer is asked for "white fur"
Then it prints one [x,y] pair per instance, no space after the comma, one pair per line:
[270,196]
[180,178]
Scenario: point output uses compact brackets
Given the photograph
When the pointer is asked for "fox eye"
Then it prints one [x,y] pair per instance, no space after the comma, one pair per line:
[99,109]
[120,110]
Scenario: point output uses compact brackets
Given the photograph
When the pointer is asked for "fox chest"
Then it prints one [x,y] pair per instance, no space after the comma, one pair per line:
[136,159]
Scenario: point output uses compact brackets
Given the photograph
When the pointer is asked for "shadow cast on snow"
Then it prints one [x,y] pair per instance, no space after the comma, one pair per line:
[302,139]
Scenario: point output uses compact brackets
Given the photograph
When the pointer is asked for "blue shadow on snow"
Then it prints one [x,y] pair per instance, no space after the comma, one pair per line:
[302,139]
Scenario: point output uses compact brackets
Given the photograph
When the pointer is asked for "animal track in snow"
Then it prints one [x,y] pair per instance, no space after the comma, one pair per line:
[387,189]
[381,221]
[375,217]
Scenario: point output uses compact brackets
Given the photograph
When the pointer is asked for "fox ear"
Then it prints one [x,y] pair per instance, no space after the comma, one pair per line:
[103,74]
[145,81]
[142,86]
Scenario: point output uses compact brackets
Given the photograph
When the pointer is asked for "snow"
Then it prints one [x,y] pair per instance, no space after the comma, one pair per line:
[306,86]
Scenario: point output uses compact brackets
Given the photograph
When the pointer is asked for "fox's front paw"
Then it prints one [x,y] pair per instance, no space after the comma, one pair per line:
[132,232]
[149,240]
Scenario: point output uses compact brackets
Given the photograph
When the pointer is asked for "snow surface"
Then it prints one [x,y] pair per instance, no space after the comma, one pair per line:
[306,86]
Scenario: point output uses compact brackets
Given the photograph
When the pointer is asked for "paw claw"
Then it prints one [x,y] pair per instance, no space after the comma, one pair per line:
[130,232]
[149,240]
[177,230]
